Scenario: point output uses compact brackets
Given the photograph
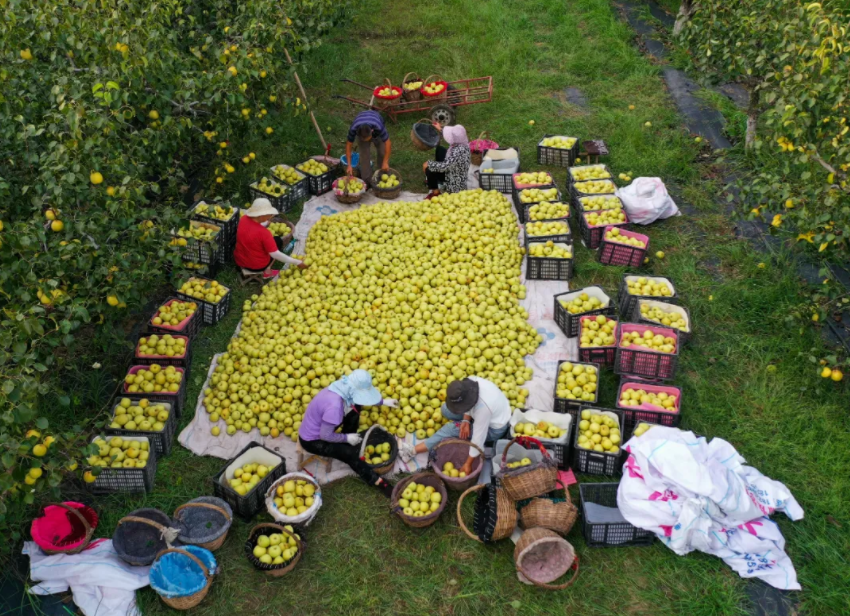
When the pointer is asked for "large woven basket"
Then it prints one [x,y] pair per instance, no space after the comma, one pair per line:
[542,556]
[189,601]
[282,241]
[343,195]
[272,570]
[425,478]
[64,528]
[477,147]
[204,521]
[386,101]
[456,451]
[495,513]
[386,193]
[424,135]
[377,435]
[532,480]
[411,95]
[142,535]
[551,512]
[436,98]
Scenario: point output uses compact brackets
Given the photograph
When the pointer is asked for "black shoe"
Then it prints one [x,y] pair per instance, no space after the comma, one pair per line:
[385,488]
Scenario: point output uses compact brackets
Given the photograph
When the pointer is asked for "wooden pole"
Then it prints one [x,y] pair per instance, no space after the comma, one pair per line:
[304,94]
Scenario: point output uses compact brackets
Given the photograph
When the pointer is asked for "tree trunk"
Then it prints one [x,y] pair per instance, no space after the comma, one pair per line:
[753,111]
[686,9]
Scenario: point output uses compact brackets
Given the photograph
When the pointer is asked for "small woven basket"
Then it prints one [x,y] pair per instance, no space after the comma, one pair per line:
[386,101]
[204,521]
[495,513]
[456,451]
[64,528]
[553,513]
[417,139]
[377,435]
[189,601]
[532,480]
[478,146]
[435,98]
[343,195]
[142,535]
[427,479]
[386,193]
[272,570]
[411,95]
[541,557]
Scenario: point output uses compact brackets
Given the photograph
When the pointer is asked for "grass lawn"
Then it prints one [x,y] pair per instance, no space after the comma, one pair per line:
[788,423]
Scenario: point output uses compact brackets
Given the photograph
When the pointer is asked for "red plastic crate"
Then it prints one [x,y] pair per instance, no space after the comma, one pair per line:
[188,326]
[175,398]
[518,186]
[603,356]
[614,253]
[592,235]
[642,361]
[645,412]
[165,360]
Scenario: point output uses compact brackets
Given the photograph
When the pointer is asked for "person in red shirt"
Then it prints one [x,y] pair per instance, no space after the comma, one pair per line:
[256,249]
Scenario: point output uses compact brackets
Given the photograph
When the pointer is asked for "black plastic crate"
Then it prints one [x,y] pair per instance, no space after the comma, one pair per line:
[604,356]
[597,462]
[559,452]
[202,251]
[206,270]
[210,313]
[548,268]
[147,360]
[617,534]
[190,328]
[627,301]
[176,399]
[565,237]
[521,208]
[615,253]
[645,363]
[684,335]
[162,440]
[568,322]
[501,182]
[557,157]
[227,235]
[282,204]
[254,501]
[577,193]
[126,480]
[527,213]
[320,184]
[570,179]
[573,407]
[298,191]
[592,235]
[633,416]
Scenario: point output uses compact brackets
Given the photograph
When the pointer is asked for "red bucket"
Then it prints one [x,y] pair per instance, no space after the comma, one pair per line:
[64,528]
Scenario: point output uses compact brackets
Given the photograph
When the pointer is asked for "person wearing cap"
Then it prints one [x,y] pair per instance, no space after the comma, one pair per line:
[338,407]
[256,249]
[475,408]
[368,129]
[452,168]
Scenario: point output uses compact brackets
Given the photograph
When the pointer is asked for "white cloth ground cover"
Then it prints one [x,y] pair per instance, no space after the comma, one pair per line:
[538,303]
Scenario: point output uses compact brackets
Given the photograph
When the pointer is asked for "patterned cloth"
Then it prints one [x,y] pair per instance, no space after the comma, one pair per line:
[456,167]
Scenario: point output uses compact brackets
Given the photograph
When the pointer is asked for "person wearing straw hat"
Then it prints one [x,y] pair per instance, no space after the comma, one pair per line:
[256,249]
[368,129]
[477,410]
[455,163]
[337,407]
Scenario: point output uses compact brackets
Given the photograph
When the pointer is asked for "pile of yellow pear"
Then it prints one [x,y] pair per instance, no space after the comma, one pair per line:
[598,432]
[269,187]
[450,470]
[201,288]
[549,250]
[589,172]
[532,177]
[597,331]
[412,86]
[199,231]
[595,187]
[119,452]
[519,463]
[535,195]
[247,476]
[144,415]
[642,428]
[350,185]
[385,91]
[154,379]
[577,382]
[614,235]
[218,212]
[277,548]
[605,217]
[313,167]
[280,229]
[648,288]
[603,202]
[173,314]
[559,227]
[562,143]
[378,454]
[388,181]
[419,500]
[548,210]
[581,304]
[636,397]
[166,345]
[541,429]
[668,318]
[434,88]
[287,174]
[649,340]
[294,496]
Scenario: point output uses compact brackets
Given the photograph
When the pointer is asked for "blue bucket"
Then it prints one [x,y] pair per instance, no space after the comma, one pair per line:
[355,160]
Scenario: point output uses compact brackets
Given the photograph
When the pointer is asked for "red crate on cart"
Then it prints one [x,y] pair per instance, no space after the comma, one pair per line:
[643,361]
[615,253]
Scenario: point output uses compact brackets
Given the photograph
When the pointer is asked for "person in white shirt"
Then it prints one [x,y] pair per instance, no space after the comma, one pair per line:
[475,408]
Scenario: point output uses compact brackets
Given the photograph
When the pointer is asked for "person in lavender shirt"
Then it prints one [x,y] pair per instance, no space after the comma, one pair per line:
[338,406]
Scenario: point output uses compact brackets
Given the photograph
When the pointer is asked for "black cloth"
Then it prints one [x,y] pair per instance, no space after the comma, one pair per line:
[432,178]
[262,269]
[348,454]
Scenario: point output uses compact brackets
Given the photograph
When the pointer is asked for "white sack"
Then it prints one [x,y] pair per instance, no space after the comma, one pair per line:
[646,200]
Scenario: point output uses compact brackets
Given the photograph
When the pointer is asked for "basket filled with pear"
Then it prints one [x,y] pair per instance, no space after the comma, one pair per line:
[643,401]
[411,84]
[386,183]
[176,316]
[120,465]
[379,449]
[140,416]
[213,299]
[577,384]
[548,260]
[245,479]
[551,428]
[274,548]
[299,185]
[419,499]
[557,150]
[319,174]
[447,458]
[277,194]
[387,94]
[597,442]
[164,349]
[294,498]
[571,306]
[349,189]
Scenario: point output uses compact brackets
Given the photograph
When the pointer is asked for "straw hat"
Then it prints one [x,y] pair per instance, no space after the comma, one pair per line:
[261,207]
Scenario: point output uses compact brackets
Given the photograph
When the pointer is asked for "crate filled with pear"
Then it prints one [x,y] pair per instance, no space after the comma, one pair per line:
[527,197]
[244,481]
[532,179]
[221,214]
[163,349]
[621,247]
[594,224]
[557,150]
[652,312]
[320,175]
[597,442]
[139,416]
[551,428]
[649,352]
[176,316]
[212,297]
[649,402]
[587,173]
[597,339]
[571,306]
[278,194]
[198,242]
[299,185]
[554,230]
[547,211]
[120,465]
[577,384]
[548,260]
[632,288]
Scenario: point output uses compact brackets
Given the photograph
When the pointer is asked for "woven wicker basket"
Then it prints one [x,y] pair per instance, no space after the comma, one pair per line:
[427,479]
[505,514]
[554,514]
[456,451]
[386,102]
[343,196]
[272,570]
[140,544]
[283,240]
[377,435]
[386,193]
[532,559]
[189,601]
[417,140]
[532,480]
[80,514]
[437,98]
[225,520]
[477,147]
[411,95]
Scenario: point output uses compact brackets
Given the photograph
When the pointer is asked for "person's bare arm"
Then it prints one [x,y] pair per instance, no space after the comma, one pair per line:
[388,148]
[348,169]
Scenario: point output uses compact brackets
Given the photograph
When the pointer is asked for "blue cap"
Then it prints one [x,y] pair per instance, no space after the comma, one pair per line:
[365,394]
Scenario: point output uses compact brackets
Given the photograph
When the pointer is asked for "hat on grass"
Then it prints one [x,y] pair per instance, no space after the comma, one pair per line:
[461,396]
[357,388]
[261,207]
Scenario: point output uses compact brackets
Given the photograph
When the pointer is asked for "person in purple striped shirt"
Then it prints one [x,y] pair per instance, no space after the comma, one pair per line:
[368,129]
[338,406]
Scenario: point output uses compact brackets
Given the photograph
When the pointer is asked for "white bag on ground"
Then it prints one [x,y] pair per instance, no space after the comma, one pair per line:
[697,495]
[646,200]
